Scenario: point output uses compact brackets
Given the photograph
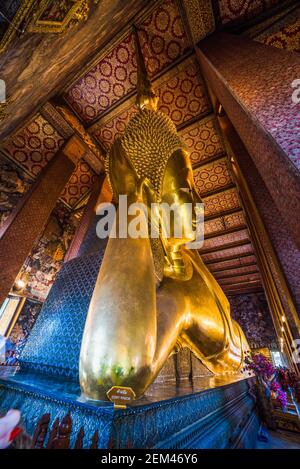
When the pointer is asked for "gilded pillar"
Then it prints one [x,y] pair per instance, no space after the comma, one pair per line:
[28,219]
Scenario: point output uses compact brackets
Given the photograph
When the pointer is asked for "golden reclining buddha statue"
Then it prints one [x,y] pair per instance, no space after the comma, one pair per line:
[154,296]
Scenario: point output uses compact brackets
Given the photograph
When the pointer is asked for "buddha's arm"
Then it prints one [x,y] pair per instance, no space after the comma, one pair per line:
[119,339]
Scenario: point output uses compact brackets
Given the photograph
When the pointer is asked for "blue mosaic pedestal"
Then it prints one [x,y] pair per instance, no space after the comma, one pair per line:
[191,416]
[53,346]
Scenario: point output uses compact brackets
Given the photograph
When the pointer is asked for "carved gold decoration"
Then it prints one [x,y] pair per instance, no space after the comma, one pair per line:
[4,106]
[73,12]
[3,112]
[133,324]
[16,22]
[96,155]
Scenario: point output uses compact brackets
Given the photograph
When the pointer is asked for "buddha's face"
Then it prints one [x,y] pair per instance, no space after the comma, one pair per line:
[179,188]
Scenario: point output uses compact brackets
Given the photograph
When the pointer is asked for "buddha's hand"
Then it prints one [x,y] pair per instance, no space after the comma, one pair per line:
[125,180]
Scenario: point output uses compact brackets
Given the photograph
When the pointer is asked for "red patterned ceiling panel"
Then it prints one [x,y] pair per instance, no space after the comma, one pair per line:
[183,96]
[34,145]
[230,252]
[202,141]
[218,241]
[223,223]
[284,37]
[241,10]
[212,176]
[242,261]
[79,184]
[214,226]
[234,220]
[107,132]
[110,80]
[237,270]
[226,200]
[163,38]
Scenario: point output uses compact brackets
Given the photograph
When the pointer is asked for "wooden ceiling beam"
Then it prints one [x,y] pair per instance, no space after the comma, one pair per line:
[229,186]
[224,247]
[230,211]
[226,231]
[229,258]
[237,274]
[209,161]
[225,269]
[240,282]
[243,290]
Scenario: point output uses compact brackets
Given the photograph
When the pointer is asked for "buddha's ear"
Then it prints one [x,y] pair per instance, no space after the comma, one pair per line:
[122,175]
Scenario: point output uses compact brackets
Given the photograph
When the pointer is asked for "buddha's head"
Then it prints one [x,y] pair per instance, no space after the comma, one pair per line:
[151,151]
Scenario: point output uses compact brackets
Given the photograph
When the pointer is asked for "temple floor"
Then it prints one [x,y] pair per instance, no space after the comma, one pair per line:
[280,440]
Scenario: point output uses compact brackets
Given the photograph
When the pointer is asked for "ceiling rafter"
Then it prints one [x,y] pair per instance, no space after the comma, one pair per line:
[217,234]
[226,269]
[224,213]
[229,258]
[224,247]
[237,274]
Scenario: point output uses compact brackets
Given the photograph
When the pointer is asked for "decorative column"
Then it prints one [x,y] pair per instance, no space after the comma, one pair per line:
[253,82]
[28,219]
[281,303]
[86,220]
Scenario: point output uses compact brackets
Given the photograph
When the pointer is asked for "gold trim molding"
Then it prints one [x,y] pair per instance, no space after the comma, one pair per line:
[77,12]
[19,17]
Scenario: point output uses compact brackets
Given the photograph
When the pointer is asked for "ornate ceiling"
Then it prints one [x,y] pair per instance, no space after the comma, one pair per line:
[102,97]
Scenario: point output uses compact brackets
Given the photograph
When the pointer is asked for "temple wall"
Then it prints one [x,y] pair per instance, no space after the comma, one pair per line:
[46,257]
[252,313]
[14,183]
[22,328]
